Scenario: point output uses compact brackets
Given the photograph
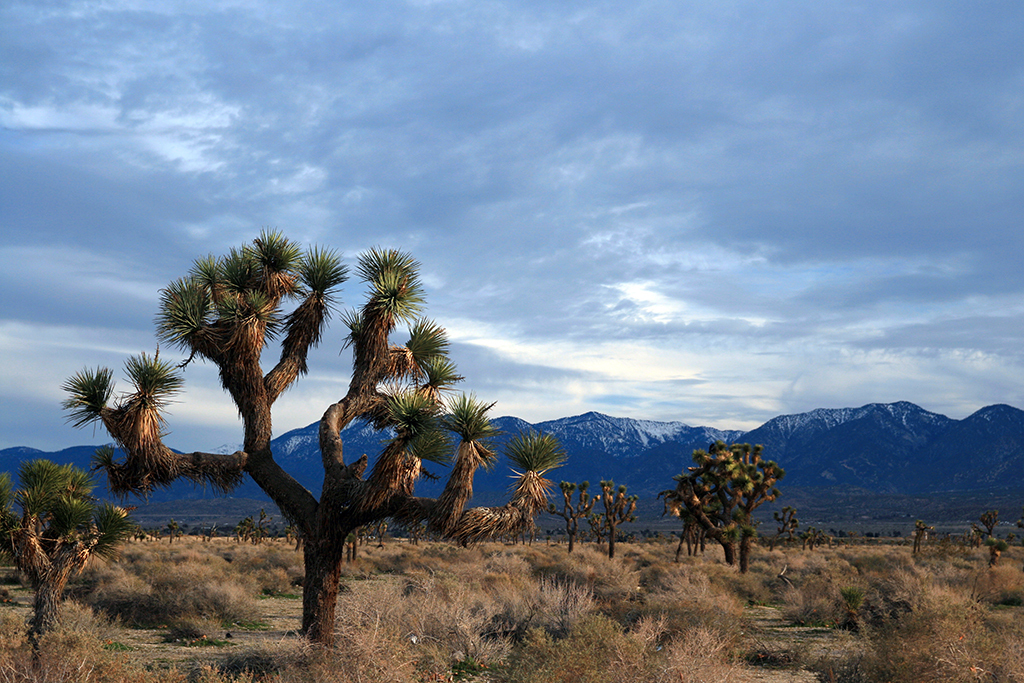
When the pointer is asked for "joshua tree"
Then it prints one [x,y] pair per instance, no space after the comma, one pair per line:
[226,311]
[853,599]
[173,530]
[573,512]
[597,526]
[989,520]
[723,490]
[618,508]
[692,534]
[57,530]
[788,524]
[996,547]
[920,534]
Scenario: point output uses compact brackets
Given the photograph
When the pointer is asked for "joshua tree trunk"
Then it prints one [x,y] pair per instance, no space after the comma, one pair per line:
[47,608]
[320,590]
[745,543]
[49,594]
[729,548]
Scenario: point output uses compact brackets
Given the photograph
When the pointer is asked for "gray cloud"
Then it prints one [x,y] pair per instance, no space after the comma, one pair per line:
[751,208]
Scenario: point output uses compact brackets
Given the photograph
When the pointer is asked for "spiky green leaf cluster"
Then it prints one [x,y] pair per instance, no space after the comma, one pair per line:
[244,287]
[393,277]
[535,452]
[89,392]
[155,380]
[321,270]
[57,508]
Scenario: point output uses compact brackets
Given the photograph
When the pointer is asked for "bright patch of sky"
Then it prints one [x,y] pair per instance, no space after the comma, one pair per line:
[705,213]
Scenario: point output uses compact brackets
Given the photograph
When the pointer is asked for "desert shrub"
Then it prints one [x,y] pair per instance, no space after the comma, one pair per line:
[1002,584]
[551,605]
[72,653]
[190,590]
[610,580]
[13,631]
[597,650]
[940,634]
[813,601]
[686,599]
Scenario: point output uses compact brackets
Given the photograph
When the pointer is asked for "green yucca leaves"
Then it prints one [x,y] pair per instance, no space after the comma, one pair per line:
[185,306]
[206,272]
[321,271]
[394,280]
[114,527]
[69,514]
[155,380]
[6,491]
[237,270]
[432,446]
[397,294]
[440,374]
[412,413]
[89,390]
[353,320]
[534,452]
[467,418]
[427,340]
[275,252]
[44,483]
[377,261]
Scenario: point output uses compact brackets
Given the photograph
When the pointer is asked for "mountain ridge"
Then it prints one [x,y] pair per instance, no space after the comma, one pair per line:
[878,447]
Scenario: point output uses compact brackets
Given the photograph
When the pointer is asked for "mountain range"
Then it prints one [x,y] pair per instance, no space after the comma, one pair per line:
[882,448]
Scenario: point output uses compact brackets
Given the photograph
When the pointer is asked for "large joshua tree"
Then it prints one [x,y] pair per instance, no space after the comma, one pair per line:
[51,527]
[226,311]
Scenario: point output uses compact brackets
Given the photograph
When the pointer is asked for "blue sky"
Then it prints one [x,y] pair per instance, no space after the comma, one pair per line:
[706,212]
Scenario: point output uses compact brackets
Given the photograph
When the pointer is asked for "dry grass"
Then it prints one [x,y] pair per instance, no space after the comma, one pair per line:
[499,613]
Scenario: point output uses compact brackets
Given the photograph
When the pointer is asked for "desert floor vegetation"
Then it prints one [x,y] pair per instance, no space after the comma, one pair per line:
[228,611]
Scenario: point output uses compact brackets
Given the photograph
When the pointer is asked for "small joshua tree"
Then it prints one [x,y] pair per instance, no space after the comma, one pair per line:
[618,508]
[692,535]
[920,534]
[996,547]
[788,524]
[853,599]
[173,530]
[597,527]
[571,512]
[57,529]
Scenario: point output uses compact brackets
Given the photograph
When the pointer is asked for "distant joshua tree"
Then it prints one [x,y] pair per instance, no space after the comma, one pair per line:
[173,530]
[788,524]
[989,520]
[618,508]
[692,535]
[573,512]
[723,490]
[920,534]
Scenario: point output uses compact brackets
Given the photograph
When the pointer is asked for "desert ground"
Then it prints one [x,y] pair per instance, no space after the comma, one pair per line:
[227,610]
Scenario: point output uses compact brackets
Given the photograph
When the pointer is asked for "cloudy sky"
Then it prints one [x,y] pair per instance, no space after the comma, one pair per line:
[706,212]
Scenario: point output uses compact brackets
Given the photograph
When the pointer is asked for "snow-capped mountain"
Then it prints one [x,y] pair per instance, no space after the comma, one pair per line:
[881,447]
